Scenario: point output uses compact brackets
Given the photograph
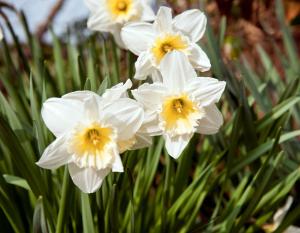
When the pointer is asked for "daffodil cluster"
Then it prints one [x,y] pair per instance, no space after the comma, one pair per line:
[92,131]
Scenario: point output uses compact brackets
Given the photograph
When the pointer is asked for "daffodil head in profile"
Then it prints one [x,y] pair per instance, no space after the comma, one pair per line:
[91,131]
[182,104]
[111,15]
[151,42]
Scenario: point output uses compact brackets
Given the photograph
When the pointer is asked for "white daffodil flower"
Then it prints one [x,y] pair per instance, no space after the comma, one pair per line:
[181,105]
[151,42]
[111,15]
[91,131]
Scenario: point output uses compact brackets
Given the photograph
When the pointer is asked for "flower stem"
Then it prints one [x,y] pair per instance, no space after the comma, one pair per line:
[62,203]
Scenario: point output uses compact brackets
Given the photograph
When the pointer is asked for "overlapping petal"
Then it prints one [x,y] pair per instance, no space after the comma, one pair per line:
[163,21]
[148,14]
[192,23]
[100,20]
[124,114]
[138,36]
[143,66]
[212,121]
[118,91]
[93,5]
[87,179]
[150,95]
[206,90]
[61,114]
[198,58]
[176,145]
[176,70]
[56,154]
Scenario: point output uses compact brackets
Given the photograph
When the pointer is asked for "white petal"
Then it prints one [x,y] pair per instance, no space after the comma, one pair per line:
[60,115]
[79,95]
[88,180]
[192,23]
[163,21]
[176,145]
[292,229]
[55,155]
[93,5]
[148,14]
[124,114]
[176,70]
[212,121]
[199,59]
[100,20]
[117,166]
[91,108]
[156,75]
[206,90]
[150,95]
[151,125]
[138,36]
[116,32]
[143,66]
[142,141]
[118,91]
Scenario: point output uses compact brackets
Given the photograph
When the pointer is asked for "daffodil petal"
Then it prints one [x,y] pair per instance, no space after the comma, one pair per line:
[212,121]
[150,95]
[206,90]
[137,36]
[55,155]
[79,95]
[116,32]
[151,125]
[88,180]
[118,91]
[192,23]
[176,145]
[163,21]
[199,59]
[100,20]
[124,114]
[117,166]
[148,14]
[156,76]
[93,5]
[142,141]
[143,66]
[91,108]
[60,114]
[176,70]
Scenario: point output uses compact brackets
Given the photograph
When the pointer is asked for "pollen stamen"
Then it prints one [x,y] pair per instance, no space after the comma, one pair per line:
[179,114]
[122,6]
[166,44]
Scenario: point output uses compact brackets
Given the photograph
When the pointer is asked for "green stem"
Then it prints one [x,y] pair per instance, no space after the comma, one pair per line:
[62,204]
[116,70]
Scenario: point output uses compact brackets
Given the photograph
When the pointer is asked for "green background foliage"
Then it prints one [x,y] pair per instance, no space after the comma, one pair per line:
[233,181]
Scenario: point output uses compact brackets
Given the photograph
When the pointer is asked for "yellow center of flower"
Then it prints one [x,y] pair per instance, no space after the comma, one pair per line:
[180,114]
[92,140]
[168,43]
[119,7]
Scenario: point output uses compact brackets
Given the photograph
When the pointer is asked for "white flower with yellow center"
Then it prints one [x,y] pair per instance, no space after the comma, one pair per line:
[111,15]
[151,42]
[91,131]
[181,105]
